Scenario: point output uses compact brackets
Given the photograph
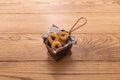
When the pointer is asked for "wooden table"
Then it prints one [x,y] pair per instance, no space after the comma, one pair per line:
[23,56]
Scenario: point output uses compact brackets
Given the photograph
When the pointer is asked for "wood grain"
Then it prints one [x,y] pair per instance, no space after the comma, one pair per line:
[23,76]
[40,23]
[89,47]
[23,56]
[68,67]
[58,6]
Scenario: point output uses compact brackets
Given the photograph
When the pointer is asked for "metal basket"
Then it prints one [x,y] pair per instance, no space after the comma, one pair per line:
[60,53]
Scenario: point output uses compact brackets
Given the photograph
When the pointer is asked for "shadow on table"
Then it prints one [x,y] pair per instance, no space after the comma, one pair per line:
[60,67]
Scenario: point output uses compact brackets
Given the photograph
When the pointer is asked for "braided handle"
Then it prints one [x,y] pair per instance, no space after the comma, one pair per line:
[73,28]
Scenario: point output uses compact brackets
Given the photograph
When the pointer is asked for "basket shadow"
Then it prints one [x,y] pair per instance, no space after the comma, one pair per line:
[60,67]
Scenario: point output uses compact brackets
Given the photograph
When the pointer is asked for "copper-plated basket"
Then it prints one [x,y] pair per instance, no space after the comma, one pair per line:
[59,54]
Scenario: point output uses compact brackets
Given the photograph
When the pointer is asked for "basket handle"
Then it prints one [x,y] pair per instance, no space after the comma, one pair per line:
[73,27]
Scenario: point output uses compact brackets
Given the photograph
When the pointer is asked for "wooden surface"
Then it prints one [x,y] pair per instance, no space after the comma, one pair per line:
[23,55]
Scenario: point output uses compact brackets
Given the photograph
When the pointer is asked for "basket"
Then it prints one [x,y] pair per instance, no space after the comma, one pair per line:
[60,53]
[66,49]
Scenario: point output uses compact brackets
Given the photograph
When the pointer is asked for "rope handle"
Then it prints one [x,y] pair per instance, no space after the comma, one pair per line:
[73,27]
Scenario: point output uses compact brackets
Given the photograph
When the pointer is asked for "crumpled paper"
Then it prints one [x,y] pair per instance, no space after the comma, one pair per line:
[56,29]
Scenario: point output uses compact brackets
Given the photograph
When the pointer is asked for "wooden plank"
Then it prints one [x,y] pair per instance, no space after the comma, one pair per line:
[22,76]
[39,23]
[58,6]
[30,47]
[68,67]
